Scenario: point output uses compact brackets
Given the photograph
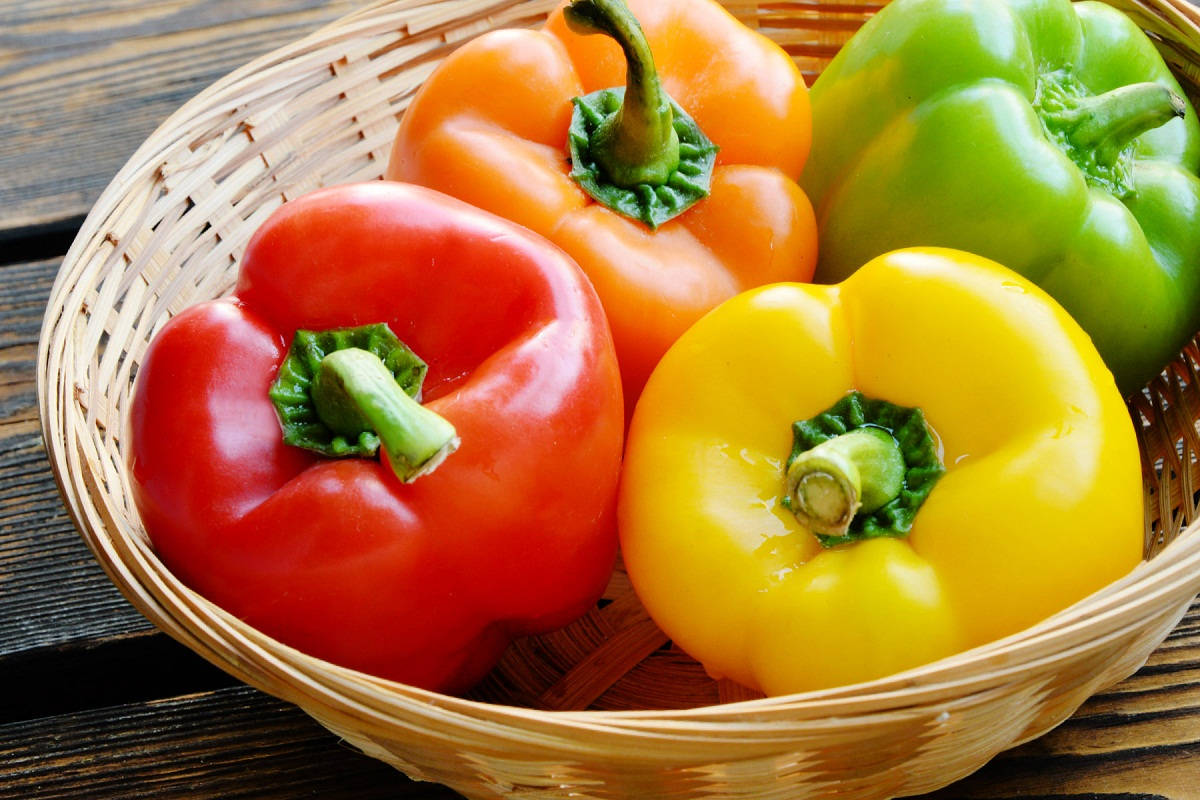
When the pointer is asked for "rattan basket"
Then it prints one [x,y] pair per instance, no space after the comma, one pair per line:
[606,708]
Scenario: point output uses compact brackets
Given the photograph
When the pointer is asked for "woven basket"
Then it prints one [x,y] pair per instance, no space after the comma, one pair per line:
[606,708]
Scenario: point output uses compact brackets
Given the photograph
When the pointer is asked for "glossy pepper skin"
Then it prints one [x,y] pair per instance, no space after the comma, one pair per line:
[426,582]
[965,124]
[1039,506]
[490,127]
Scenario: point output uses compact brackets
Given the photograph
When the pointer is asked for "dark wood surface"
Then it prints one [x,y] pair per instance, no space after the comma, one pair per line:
[93,701]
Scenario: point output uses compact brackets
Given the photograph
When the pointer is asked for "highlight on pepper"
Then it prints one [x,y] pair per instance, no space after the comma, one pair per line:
[825,485]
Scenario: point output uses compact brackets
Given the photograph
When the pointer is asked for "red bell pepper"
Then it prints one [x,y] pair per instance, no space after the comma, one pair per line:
[425,581]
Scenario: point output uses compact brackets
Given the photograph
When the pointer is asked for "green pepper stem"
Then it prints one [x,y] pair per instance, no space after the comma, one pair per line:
[639,143]
[353,392]
[861,470]
[1107,123]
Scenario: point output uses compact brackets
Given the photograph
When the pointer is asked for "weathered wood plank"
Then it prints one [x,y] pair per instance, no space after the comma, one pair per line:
[81,89]
[231,743]
[52,592]
[97,673]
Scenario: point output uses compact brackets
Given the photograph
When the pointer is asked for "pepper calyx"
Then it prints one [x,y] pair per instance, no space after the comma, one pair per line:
[861,470]
[651,204]
[346,391]
[1098,132]
[292,390]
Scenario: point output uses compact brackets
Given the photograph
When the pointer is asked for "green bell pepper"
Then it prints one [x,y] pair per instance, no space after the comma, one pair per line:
[1045,135]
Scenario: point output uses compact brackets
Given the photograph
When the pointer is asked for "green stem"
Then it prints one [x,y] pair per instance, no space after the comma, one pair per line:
[353,391]
[861,470]
[1106,123]
[639,143]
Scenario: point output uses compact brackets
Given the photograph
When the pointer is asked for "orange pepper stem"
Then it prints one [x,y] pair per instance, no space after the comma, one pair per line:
[638,144]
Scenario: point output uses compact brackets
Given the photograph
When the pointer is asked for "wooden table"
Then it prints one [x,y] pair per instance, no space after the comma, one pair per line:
[94,702]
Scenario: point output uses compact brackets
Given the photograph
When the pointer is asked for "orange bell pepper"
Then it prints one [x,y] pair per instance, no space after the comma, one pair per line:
[490,126]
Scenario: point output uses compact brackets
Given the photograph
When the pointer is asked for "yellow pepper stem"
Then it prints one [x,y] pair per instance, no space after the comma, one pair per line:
[861,470]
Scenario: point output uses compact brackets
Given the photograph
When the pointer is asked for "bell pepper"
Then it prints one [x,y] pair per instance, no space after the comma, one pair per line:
[257,418]
[1046,135]
[535,125]
[829,484]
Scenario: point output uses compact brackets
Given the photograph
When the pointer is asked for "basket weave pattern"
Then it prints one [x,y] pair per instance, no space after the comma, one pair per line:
[606,708]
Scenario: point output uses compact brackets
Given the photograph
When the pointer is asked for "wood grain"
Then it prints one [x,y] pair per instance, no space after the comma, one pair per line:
[80,89]
[52,592]
[232,743]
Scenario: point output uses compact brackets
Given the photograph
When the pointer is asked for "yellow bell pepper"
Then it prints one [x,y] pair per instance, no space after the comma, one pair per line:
[1039,505]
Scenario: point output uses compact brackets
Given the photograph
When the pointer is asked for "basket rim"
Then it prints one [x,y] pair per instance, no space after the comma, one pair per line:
[347,688]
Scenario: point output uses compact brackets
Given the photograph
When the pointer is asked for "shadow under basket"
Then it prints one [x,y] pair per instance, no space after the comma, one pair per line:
[606,708]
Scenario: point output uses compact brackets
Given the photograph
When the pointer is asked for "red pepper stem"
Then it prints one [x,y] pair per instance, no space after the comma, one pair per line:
[1107,123]
[861,470]
[353,391]
[639,143]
